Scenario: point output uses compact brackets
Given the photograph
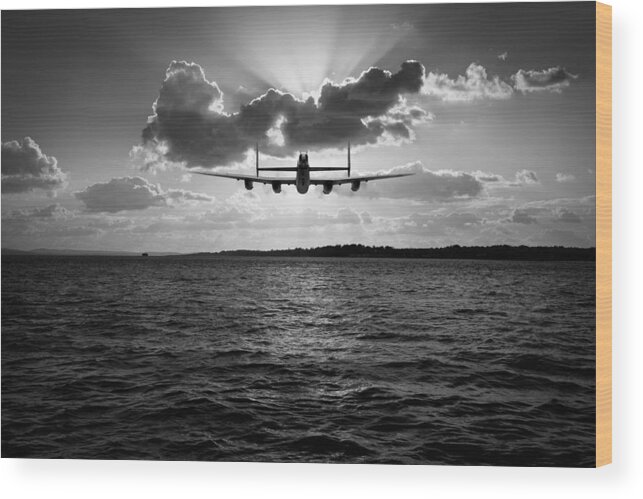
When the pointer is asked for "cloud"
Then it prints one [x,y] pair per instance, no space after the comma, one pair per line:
[460,219]
[241,97]
[226,216]
[348,216]
[190,126]
[133,193]
[425,184]
[495,181]
[25,168]
[46,224]
[75,231]
[522,217]
[51,211]
[488,177]
[182,196]
[45,232]
[475,85]
[108,222]
[398,123]
[566,216]
[559,237]
[585,202]
[563,177]
[526,177]
[567,210]
[434,227]
[306,219]
[548,80]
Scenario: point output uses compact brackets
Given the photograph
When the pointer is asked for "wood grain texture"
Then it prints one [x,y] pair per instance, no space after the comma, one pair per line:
[603,234]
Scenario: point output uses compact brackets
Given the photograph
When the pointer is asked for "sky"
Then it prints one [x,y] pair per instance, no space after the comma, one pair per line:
[107,113]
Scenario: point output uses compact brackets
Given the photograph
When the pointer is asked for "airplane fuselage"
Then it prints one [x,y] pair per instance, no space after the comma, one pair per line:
[302,180]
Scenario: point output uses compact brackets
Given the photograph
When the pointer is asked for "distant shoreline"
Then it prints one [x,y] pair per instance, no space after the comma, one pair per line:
[538,253]
[499,252]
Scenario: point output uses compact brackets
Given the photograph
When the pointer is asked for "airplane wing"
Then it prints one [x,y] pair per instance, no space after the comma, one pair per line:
[348,180]
[253,178]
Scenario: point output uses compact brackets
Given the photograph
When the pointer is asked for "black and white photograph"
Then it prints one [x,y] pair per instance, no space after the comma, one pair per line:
[357,234]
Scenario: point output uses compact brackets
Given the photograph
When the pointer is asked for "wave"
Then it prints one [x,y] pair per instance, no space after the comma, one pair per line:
[407,362]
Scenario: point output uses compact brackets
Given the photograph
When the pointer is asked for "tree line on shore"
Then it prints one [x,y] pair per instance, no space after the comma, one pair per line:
[499,252]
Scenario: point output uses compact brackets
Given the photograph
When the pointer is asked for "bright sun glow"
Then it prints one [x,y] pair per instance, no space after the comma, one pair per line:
[311,50]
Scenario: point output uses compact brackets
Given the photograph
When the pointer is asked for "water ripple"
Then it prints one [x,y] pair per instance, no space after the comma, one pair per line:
[313,360]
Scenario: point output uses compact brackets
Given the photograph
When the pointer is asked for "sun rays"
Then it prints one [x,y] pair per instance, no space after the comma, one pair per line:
[313,45]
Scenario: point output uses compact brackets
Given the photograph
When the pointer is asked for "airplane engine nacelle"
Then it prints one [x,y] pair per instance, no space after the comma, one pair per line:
[276,187]
[328,188]
[248,184]
[355,185]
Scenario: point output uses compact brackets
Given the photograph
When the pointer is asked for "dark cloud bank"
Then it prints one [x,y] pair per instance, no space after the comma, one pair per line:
[190,122]
[190,125]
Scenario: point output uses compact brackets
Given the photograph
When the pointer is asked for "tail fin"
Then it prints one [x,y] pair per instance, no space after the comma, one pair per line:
[257,157]
[349,158]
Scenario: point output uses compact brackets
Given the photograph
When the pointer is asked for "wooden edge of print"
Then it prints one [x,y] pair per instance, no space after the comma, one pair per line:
[603,234]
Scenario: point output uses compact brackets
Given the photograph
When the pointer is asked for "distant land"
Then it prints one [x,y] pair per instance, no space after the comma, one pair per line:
[504,252]
[501,252]
[71,252]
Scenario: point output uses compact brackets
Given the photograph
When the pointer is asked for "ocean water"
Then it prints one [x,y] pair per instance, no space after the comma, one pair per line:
[299,360]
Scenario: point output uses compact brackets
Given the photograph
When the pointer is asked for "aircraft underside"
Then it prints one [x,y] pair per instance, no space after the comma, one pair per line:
[302,180]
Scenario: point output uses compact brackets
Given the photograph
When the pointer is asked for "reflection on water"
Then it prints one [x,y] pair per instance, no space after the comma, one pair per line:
[324,360]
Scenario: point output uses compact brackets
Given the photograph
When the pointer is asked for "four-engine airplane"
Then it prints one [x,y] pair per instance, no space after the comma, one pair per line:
[302,178]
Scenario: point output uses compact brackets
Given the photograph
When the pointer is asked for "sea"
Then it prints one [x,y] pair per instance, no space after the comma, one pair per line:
[336,360]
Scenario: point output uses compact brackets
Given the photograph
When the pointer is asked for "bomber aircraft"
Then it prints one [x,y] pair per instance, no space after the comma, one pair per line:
[302,178]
